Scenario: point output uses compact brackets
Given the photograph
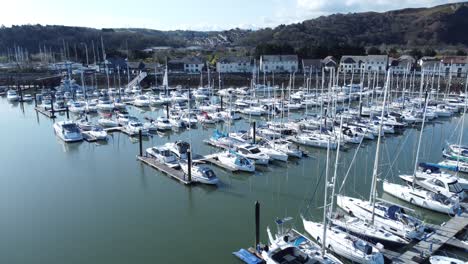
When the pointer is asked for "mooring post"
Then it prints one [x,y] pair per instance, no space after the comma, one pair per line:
[35,99]
[360,109]
[167,110]
[257,225]
[51,107]
[20,92]
[189,164]
[254,131]
[325,118]
[221,103]
[68,113]
[140,140]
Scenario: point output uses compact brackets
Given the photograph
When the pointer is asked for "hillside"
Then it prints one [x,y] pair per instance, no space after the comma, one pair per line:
[445,24]
[436,27]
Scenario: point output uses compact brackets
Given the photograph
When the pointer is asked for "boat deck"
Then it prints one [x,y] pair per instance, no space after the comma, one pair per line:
[171,172]
[213,159]
[442,235]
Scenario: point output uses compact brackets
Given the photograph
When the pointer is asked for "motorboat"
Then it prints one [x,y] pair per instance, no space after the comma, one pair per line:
[141,101]
[445,260]
[108,122]
[77,107]
[290,246]
[12,96]
[254,153]
[97,133]
[200,173]
[68,131]
[236,161]
[163,155]
[27,98]
[133,128]
[162,123]
[344,244]
[105,104]
[179,148]
[287,147]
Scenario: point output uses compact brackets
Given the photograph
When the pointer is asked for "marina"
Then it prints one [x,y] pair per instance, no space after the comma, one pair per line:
[210,151]
[312,133]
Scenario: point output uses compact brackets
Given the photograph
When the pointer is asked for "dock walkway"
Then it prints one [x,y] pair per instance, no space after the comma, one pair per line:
[171,172]
[423,249]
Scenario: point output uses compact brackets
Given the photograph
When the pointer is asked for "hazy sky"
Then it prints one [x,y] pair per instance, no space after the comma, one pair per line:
[188,14]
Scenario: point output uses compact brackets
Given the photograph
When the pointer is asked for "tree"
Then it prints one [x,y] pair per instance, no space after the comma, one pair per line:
[416,53]
[393,52]
[373,51]
[461,53]
[429,52]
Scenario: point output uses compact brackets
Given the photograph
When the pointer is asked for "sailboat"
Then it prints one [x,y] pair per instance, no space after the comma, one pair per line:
[337,240]
[382,216]
[421,194]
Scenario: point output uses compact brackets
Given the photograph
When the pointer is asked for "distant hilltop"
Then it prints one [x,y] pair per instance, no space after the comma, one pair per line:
[435,27]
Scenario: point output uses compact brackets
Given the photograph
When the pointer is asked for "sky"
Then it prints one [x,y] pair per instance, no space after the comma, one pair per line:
[188,14]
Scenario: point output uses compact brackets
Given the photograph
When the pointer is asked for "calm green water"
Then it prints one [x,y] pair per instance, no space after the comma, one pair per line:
[91,203]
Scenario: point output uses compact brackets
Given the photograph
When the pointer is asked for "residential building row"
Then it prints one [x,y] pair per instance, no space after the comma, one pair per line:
[456,66]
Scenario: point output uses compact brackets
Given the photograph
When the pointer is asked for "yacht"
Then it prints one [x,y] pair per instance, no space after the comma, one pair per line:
[141,101]
[287,147]
[108,122]
[423,198]
[364,229]
[179,148]
[200,173]
[68,131]
[344,244]
[97,132]
[254,153]
[236,161]
[391,218]
[133,128]
[162,123]
[290,246]
[163,155]
[12,96]
[105,104]
[77,107]
[27,98]
[445,260]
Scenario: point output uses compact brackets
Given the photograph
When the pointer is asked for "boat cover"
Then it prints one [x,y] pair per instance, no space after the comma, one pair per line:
[247,257]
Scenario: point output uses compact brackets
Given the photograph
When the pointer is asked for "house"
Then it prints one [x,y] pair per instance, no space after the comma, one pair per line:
[375,63]
[456,66]
[186,64]
[311,66]
[234,65]
[113,65]
[430,65]
[329,62]
[279,63]
[403,64]
[349,63]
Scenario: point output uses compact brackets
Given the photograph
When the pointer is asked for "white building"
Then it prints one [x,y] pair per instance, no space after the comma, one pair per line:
[187,64]
[234,65]
[279,63]
[403,64]
[374,63]
[457,66]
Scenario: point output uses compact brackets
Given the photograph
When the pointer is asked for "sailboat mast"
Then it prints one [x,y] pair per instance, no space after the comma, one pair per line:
[419,142]
[325,200]
[463,122]
[377,151]
[336,167]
